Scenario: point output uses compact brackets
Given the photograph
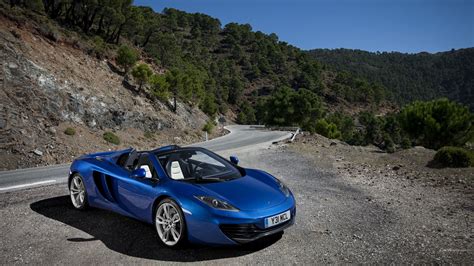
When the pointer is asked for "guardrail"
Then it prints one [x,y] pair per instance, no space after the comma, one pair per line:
[275,128]
[296,129]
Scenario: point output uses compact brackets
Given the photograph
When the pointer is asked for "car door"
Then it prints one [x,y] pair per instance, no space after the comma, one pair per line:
[136,195]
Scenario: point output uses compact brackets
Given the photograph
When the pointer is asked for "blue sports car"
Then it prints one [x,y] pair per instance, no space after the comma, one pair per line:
[189,194]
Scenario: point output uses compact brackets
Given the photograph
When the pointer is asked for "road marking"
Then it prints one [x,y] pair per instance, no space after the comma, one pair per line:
[28,185]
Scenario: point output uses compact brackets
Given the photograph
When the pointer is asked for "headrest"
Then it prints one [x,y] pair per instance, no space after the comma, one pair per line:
[175,170]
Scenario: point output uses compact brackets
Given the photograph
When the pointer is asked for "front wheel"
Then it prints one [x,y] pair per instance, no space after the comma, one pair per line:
[77,190]
[169,222]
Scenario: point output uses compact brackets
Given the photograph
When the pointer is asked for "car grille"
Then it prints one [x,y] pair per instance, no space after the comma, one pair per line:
[248,232]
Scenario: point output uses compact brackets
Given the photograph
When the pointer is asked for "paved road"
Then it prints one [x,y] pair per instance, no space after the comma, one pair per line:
[239,136]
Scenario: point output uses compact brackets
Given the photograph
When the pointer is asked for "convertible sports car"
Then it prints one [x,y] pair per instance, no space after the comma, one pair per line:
[189,194]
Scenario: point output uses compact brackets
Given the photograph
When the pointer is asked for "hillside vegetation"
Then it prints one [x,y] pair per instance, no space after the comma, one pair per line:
[208,64]
[408,77]
[174,56]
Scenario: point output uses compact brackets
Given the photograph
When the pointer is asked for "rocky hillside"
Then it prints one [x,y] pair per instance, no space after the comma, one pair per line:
[47,86]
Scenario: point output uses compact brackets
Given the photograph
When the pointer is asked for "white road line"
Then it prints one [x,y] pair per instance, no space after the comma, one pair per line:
[28,185]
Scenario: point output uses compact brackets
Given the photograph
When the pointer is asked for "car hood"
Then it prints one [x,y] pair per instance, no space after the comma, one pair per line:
[247,192]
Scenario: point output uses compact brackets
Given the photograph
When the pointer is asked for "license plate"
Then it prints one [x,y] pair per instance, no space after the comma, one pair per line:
[277,219]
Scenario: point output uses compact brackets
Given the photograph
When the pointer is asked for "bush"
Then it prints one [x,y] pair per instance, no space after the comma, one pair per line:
[437,123]
[159,87]
[208,105]
[208,127]
[148,135]
[246,115]
[142,74]
[70,131]
[111,138]
[389,145]
[126,57]
[329,130]
[454,157]
[98,47]
[406,142]
[344,123]
[287,107]
[49,31]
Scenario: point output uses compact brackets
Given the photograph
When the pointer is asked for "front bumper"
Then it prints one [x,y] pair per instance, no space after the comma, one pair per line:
[245,233]
[230,228]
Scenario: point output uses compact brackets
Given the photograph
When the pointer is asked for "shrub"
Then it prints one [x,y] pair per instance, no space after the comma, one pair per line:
[287,107]
[329,130]
[437,123]
[389,145]
[159,87]
[111,138]
[148,134]
[208,127]
[454,157]
[70,131]
[142,74]
[126,57]
[208,105]
[344,123]
[246,114]
[406,142]
[49,31]
[98,47]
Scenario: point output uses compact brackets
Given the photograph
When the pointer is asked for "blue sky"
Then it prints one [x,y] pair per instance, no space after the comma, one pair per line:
[374,25]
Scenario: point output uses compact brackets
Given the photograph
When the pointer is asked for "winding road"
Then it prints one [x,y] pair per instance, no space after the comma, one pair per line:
[239,136]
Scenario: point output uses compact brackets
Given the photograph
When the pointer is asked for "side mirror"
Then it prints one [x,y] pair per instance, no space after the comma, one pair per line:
[138,173]
[234,159]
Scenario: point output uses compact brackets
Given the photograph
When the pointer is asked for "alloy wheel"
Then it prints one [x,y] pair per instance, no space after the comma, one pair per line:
[78,192]
[169,224]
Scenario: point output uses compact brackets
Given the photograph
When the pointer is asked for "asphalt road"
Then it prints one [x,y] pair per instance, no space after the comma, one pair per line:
[239,136]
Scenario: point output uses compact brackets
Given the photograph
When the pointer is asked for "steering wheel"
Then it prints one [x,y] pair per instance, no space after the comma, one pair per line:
[195,167]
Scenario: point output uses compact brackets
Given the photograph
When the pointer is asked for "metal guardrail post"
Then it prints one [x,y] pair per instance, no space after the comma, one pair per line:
[294,135]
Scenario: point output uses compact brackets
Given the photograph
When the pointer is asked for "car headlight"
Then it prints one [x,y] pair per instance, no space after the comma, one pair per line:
[283,188]
[216,203]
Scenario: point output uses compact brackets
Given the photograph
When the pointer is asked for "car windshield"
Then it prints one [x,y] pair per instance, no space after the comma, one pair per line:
[197,164]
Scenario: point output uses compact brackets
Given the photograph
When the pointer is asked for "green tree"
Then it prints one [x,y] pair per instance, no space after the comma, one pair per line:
[246,114]
[160,87]
[208,105]
[142,73]
[280,107]
[437,123]
[344,123]
[326,129]
[126,57]
[307,108]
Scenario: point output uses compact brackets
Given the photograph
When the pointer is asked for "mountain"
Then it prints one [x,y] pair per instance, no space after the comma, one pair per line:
[409,77]
[101,68]
[57,102]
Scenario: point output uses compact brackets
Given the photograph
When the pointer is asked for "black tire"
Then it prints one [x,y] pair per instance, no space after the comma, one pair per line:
[181,241]
[79,205]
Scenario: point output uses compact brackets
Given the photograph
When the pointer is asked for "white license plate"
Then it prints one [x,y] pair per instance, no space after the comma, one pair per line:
[277,219]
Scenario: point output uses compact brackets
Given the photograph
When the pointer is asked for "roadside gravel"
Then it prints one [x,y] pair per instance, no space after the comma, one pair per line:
[341,218]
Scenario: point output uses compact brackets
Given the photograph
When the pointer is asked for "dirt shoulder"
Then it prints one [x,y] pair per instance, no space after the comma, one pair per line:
[424,214]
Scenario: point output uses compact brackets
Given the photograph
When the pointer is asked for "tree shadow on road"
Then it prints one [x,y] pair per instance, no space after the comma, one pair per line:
[132,237]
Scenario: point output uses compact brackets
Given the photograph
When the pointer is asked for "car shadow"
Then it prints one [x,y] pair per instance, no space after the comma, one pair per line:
[132,237]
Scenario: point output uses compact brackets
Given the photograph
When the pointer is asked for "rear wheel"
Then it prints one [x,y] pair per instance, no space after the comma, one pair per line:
[169,223]
[77,191]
